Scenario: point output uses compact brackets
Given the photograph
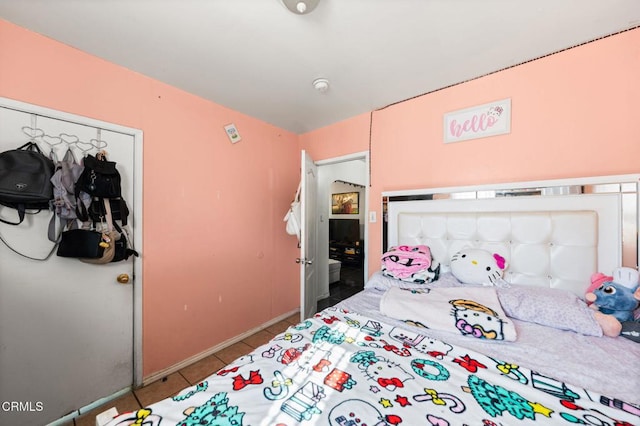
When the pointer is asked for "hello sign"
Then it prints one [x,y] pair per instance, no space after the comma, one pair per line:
[476,122]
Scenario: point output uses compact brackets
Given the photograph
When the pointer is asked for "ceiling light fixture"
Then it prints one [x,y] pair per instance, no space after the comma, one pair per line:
[321,84]
[300,7]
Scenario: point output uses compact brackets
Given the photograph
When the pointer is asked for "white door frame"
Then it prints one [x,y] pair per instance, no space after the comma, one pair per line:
[137,208]
[342,159]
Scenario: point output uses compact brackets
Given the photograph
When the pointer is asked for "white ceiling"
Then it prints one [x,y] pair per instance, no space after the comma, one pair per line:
[256,57]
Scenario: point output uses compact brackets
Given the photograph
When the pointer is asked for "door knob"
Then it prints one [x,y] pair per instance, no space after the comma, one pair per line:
[304,261]
[123,278]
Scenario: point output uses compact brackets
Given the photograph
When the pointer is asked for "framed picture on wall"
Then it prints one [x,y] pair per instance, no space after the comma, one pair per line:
[344,203]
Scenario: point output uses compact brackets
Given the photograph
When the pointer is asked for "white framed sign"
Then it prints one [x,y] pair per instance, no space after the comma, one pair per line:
[232,133]
[493,118]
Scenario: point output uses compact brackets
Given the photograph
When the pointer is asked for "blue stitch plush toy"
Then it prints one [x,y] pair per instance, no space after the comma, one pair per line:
[618,297]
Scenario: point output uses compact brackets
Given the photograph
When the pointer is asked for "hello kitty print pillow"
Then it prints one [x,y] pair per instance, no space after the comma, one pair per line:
[470,311]
[478,266]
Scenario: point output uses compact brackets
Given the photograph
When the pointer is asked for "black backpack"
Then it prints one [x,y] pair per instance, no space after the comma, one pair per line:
[25,180]
[100,179]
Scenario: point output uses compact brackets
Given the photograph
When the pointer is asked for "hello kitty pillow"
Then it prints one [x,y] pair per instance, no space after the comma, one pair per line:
[478,266]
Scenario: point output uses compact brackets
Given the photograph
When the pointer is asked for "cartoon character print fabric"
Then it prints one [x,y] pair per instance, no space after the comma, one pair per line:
[344,369]
[470,311]
[477,266]
[411,264]
[475,319]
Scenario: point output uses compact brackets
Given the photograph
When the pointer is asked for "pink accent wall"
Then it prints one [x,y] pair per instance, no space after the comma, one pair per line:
[574,114]
[213,211]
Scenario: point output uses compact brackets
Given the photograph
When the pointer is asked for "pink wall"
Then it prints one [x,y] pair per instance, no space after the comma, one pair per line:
[574,114]
[213,211]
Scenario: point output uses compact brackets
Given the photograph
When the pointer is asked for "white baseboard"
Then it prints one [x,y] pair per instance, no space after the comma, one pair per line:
[68,419]
[186,362]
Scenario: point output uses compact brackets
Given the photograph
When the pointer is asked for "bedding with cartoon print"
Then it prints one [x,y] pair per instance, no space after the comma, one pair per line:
[470,311]
[341,368]
[413,264]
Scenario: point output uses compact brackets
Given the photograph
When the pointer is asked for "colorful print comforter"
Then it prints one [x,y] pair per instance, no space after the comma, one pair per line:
[344,369]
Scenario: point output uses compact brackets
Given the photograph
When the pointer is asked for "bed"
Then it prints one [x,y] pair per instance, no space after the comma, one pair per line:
[353,365]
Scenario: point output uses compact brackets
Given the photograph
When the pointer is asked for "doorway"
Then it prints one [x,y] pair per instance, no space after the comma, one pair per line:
[342,232]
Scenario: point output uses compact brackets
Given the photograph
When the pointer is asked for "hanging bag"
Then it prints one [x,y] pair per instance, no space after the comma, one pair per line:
[122,251]
[81,243]
[108,242]
[100,178]
[114,239]
[121,248]
[118,207]
[25,180]
[89,245]
[293,216]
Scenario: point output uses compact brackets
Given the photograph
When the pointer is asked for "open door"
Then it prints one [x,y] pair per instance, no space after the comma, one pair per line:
[308,239]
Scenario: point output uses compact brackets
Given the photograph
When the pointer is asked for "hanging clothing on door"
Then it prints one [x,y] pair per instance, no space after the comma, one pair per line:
[64,202]
[293,218]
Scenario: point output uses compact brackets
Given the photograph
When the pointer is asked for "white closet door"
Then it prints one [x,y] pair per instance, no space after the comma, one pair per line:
[66,327]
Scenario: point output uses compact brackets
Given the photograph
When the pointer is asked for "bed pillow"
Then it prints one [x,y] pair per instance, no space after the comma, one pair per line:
[382,282]
[478,266]
[471,311]
[549,307]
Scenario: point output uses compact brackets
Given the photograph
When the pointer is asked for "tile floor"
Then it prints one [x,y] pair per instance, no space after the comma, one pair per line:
[188,376]
[351,281]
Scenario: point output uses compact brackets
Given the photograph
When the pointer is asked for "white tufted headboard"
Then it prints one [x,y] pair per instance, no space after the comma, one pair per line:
[552,233]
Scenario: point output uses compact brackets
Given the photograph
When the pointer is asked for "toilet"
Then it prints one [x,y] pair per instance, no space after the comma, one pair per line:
[334,270]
